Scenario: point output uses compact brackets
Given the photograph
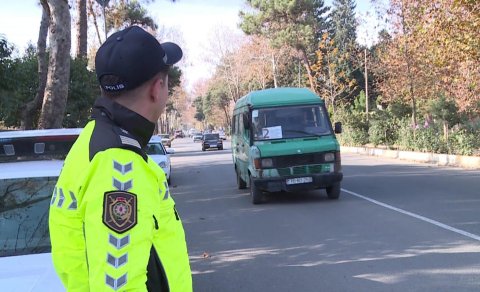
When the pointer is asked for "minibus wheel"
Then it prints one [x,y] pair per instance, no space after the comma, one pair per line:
[240,182]
[255,193]
[333,191]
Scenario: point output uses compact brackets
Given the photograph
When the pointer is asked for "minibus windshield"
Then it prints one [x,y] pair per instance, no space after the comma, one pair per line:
[290,122]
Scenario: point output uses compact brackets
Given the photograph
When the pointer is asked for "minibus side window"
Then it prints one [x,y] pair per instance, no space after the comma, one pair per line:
[234,128]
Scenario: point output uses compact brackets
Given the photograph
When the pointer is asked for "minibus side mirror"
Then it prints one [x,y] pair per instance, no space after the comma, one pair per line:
[338,128]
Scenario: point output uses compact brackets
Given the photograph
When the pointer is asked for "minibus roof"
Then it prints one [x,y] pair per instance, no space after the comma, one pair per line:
[278,97]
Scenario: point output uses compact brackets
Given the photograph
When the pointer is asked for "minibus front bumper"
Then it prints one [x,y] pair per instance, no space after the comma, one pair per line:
[277,184]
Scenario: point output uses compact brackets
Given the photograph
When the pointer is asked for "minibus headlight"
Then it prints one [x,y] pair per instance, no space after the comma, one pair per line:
[267,163]
[255,156]
[329,157]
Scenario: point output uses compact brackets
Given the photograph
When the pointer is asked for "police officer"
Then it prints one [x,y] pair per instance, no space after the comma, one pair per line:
[113,223]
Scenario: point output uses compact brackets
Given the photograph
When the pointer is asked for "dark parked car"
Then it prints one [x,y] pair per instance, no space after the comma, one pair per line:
[212,141]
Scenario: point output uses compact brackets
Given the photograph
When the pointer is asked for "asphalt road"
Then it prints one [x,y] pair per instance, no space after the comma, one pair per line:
[396,227]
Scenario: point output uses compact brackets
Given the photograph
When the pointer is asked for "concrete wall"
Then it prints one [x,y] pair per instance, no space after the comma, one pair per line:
[470,162]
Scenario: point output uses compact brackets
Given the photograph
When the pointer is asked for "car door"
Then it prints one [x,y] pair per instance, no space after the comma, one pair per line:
[242,145]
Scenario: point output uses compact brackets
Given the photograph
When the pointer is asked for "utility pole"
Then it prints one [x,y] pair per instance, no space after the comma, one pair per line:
[366,84]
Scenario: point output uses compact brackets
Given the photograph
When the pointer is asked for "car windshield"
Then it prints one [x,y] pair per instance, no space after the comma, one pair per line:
[290,122]
[211,136]
[155,149]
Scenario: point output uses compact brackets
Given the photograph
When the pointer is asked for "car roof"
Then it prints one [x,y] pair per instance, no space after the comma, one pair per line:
[155,139]
[25,162]
[39,133]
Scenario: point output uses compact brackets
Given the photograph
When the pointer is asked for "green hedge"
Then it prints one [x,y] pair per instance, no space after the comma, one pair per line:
[383,128]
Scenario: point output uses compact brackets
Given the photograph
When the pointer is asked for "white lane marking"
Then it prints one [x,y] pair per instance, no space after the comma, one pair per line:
[425,219]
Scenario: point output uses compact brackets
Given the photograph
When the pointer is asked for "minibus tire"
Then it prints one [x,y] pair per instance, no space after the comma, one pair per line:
[240,182]
[255,193]
[333,191]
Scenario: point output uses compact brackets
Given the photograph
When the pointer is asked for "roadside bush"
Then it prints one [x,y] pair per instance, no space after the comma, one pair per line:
[82,92]
[355,127]
[405,138]
[383,129]
[423,139]
[18,83]
[393,128]
[465,142]
[430,139]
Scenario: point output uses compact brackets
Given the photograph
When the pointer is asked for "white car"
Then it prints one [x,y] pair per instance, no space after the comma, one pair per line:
[222,135]
[30,163]
[166,140]
[157,151]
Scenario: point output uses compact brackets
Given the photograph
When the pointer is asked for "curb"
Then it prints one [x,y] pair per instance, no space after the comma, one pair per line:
[468,162]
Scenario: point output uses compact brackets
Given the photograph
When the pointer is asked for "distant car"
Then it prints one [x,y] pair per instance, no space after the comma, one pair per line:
[197,137]
[191,132]
[166,139]
[222,135]
[211,141]
[160,155]
[178,134]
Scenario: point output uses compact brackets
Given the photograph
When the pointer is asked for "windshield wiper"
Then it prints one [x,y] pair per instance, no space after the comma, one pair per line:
[303,132]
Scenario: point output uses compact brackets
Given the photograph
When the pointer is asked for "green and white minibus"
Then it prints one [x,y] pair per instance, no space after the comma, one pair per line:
[283,140]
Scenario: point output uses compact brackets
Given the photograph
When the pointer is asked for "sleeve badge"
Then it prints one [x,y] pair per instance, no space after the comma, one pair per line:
[120,210]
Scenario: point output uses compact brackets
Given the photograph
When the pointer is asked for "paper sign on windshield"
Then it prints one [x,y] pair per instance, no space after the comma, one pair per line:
[272,132]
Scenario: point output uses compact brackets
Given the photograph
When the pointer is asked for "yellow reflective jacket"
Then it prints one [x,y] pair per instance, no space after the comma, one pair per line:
[113,224]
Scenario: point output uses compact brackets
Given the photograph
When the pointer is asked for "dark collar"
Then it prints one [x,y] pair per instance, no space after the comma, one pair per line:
[138,126]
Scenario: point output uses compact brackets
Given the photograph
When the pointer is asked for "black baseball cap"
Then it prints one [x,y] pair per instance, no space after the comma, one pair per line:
[131,57]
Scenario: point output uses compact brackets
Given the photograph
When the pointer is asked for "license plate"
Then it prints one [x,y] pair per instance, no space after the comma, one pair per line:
[299,180]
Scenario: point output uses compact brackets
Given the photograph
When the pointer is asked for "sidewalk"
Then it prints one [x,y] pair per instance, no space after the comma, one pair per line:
[469,162]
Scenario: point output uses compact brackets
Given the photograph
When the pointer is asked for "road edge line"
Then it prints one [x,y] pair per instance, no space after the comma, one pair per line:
[416,216]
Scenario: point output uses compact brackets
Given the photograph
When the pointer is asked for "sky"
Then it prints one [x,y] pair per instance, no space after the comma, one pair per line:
[193,21]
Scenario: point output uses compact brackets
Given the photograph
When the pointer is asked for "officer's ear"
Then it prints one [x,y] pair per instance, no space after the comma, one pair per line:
[158,86]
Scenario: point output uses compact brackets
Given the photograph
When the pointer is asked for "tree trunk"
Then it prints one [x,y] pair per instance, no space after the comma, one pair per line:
[309,70]
[31,109]
[56,90]
[226,110]
[95,23]
[409,71]
[81,29]
[445,131]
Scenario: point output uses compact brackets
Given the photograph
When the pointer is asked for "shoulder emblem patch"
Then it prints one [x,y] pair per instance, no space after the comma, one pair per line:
[120,211]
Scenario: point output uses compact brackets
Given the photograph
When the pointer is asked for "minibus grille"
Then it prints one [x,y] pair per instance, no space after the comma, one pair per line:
[284,171]
[315,168]
[300,170]
[298,160]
